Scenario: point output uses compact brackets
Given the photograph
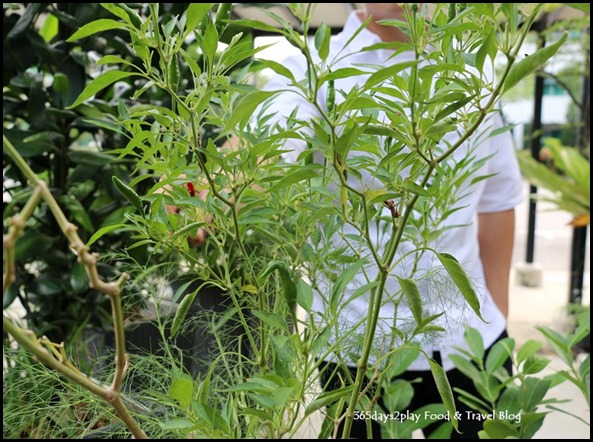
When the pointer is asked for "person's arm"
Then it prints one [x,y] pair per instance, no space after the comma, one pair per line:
[496,232]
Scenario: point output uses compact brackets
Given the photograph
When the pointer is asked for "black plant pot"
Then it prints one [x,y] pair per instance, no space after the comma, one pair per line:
[197,342]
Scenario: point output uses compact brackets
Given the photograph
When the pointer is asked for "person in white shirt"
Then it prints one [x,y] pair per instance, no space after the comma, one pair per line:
[482,244]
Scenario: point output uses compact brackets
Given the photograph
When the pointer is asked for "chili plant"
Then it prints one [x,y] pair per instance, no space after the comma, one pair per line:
[271,226]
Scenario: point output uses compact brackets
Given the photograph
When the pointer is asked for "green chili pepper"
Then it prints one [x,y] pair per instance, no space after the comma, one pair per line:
[331,96]
[344,198]
[289,289]
[134,17]
[174,73]
[181,312]
[129,194]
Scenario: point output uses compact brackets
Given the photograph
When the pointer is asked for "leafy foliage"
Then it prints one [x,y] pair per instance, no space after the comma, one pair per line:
[514,405]
[66,148]
[566,174]
[277,233]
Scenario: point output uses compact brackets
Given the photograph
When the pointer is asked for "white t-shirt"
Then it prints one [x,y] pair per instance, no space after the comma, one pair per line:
[501,191]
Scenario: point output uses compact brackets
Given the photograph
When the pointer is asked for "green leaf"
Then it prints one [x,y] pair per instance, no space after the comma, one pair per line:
[460,279]
[328,398]
[116,10]
[498,354]
[484,50]
[25,20]
[298,175]
[388,72]
[79,280]
[204,388]
[129,194]
[413,297]
[528,349]
[180,424]
[585,367]
[255,385]
[531,423]
[381,130]
[195,13]
[289,290]
[585,7]
[50,27]
[181,312]
[210,41]
[190,229]
[401,360]
[447,111]
[78,213]
[566,194]
[47,285]
[558,343]
[103,231]
[245,107]
[103,24]
[98,84]
[304,295]
[398,394]
[278,68]
[443,431]
[375,196]
[10,295]
[499,429]
[510,400]
[132,16]
[486,9]
[532,63]
[223,14]
[465,366]
[473,401]
[412,187]
[284,354]
[534,391]
[194,67]
[259,25]
[32,244]
[475,342]
[90,158]
[322,38]
[442,383]
[573,163]
[182,390]
[342,282]
[274,320]
[61,83]
[342,73]
[534,364]
[105,125]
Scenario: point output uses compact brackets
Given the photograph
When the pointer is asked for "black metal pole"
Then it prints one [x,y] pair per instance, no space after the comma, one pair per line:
[535,145]
[577,264]
[579,234]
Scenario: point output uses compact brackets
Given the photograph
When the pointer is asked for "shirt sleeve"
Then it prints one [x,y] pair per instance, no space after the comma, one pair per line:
[503,190]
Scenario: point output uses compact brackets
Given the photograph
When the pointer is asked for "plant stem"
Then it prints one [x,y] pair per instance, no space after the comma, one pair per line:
[31,344]
[111,289]
[16,229]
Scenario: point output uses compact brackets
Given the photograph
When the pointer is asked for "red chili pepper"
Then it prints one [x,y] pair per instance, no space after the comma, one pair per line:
[191,189]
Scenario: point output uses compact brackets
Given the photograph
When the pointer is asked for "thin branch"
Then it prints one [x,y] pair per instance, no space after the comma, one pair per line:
[56,359]
[564,86]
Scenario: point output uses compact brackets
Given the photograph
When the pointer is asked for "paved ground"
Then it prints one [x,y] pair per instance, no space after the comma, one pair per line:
[545,305]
